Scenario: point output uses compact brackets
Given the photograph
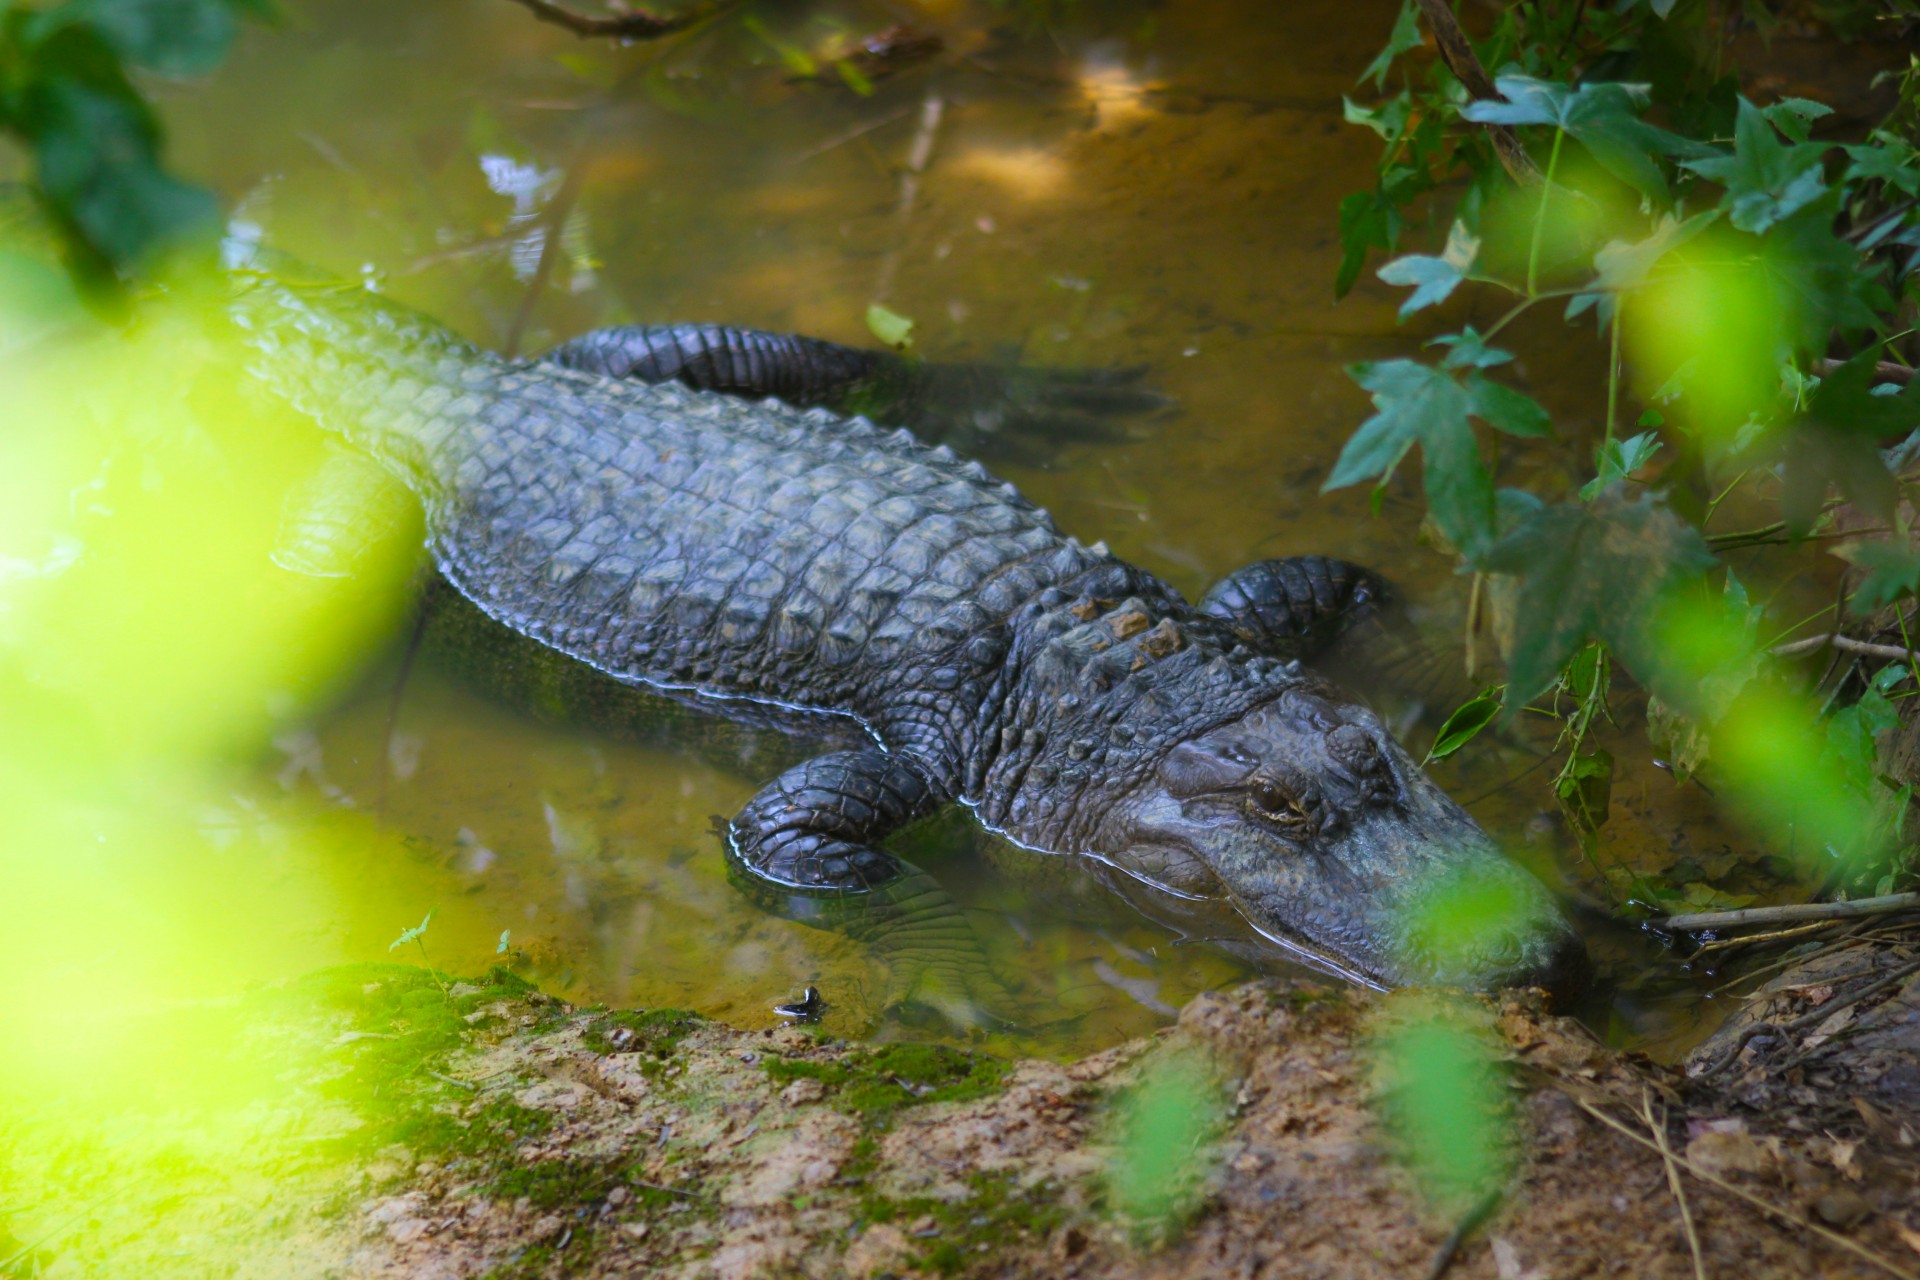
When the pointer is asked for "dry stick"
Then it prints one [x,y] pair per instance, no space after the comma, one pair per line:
[1777,935]
[635,24]
[1791,914]
[1460,59]
[1886,370]
[1659,1131]
[1846,644]
[1765,1206]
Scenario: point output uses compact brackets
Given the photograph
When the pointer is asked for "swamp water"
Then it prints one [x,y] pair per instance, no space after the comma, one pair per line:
[1141,184]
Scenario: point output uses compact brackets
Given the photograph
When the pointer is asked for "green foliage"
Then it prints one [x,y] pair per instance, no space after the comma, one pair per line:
[1161,1128]
[1441,1092]
[1431,407]
[96,144]
[1726,248]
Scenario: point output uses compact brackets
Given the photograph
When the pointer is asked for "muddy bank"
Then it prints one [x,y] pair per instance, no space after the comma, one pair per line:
[387,1126]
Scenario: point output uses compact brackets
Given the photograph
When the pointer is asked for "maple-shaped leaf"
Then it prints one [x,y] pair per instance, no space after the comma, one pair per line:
[1892,572]
[1766,179]
[1837,442]
[1405,38]
[1887,158]
[1433,279]
[1602,117]
[1432,407]
[1586,573]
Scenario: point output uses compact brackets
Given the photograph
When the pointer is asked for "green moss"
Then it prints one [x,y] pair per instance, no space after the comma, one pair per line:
[654,1032]
[995,1212]
[880,1082]
[550,1184]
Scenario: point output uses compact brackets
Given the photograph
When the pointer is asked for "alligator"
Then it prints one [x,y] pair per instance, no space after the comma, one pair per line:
[624,502]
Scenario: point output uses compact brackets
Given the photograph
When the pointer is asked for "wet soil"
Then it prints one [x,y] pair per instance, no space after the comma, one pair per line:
[485,1129]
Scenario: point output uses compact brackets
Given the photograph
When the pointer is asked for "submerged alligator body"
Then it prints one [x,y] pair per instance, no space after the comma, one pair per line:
[754,555]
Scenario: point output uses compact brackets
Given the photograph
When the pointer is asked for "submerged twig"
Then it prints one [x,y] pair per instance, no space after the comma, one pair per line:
[1792,913]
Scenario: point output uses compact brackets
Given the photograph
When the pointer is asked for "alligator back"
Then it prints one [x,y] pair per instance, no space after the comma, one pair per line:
[675,537]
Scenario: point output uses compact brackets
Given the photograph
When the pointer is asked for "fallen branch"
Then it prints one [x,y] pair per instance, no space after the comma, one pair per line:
[1790,914]
[635,24]
[1721,1184]
[1885,370]
[1460,59]
[1846,644]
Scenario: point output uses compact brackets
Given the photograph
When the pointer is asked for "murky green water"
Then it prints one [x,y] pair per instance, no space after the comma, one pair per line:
[1137,184]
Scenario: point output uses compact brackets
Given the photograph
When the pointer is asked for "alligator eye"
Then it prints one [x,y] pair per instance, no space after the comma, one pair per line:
[1275,805]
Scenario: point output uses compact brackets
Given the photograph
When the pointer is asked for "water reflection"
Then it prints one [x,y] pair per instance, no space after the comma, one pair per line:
[1135,184]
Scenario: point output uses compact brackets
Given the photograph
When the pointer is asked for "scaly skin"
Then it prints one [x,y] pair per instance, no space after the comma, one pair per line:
[799,560]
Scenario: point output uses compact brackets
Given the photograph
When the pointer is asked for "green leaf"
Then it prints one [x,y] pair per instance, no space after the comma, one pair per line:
[414,934]
[1794,117]
[1404,38]
[890,326]
[1425,406]
[1892,573]
[1589,573]
[1389,119]
[1885,158]
[1604,117]
[1433,279]
[506,941]
[173,37]
[1585,791]
[1465,724]
[1766,180]
[1367,221]
[1837,441]
[1505,409]
[1618,459]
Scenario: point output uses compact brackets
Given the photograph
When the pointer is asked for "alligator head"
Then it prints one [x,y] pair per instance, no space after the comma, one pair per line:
[1333,843]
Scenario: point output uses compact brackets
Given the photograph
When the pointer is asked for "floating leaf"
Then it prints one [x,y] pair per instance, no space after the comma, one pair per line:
[890,326]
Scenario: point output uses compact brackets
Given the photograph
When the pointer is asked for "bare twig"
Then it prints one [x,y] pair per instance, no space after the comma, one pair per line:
[1760,1027]
[1772,1210]
[1793,913]
[1460,58]
[1846,644]
[1776,935]
[1885,370]
[1658,1129]
[635,24]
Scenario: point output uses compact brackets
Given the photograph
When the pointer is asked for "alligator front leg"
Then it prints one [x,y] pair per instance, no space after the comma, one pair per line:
[1015,411]
[1297,607]
[814,826]
[804,847]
